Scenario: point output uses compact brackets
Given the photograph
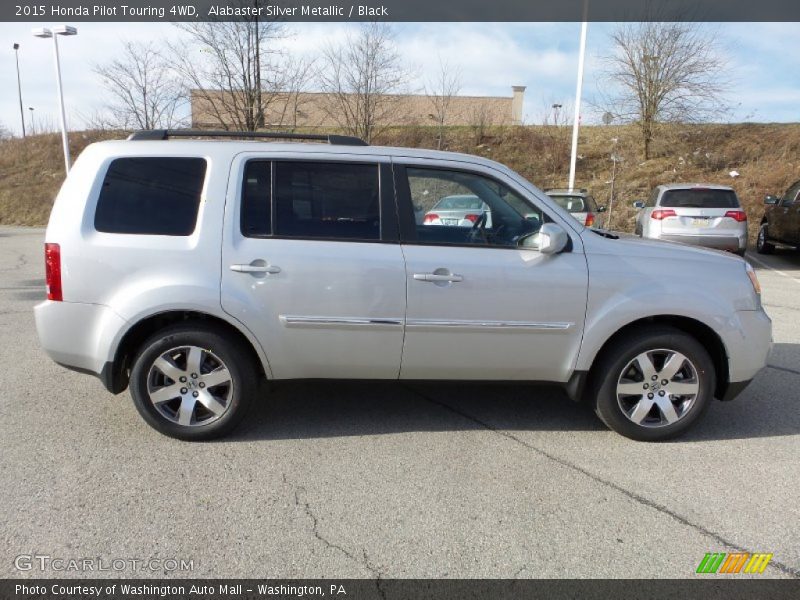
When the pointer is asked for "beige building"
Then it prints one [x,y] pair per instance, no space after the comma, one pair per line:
[211,108]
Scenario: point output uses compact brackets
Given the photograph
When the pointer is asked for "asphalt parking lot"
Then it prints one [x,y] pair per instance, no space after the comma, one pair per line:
[388,480]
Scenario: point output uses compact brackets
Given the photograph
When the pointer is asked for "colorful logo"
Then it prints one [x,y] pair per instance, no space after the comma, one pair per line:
[737,562]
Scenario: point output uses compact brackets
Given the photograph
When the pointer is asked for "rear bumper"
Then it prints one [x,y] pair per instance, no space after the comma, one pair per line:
[721,242]
[78,336]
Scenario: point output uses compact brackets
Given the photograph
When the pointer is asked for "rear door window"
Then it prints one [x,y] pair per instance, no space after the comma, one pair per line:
[326,200]
[151,196]
[700,198]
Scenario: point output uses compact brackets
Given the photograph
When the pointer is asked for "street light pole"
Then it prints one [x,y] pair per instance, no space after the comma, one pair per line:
[64,139]
[19,90]
[54,33]
[576,123]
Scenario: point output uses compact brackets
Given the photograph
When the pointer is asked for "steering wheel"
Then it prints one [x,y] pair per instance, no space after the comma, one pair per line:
[478,230]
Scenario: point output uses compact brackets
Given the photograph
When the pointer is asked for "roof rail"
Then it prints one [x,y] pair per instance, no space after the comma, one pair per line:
[165,134]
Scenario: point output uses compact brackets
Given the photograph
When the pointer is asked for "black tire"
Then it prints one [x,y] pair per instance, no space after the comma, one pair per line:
[614,364]
[762,242]
[217,351]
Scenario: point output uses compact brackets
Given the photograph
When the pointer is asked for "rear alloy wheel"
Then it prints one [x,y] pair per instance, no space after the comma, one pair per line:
[192,383]
[655,384]
[762,242]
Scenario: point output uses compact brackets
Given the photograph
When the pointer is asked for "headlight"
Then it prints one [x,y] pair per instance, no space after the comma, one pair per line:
[753,278]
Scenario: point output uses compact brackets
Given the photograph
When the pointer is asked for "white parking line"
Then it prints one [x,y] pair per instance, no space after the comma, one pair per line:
[778,271]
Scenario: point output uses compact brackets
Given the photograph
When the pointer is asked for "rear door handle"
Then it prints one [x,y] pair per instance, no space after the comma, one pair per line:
[434,277]
[256,269]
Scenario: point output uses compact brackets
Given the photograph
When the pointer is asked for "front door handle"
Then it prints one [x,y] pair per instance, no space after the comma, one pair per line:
[256,268]
[438,277]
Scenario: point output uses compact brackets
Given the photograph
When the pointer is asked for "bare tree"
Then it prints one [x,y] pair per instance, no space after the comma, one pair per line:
[362,76]
[557,126]
[299,73]
[233,69]
[480,120]
[99,120]
[665,72]
[440,92]
[145,93]
[5,133]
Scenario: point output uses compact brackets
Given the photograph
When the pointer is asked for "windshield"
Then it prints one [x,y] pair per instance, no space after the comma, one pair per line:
[699,198]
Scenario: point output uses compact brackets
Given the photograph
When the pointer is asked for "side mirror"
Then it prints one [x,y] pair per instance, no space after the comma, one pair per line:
[771,200]
[550,239]
[638,204]
[601,209]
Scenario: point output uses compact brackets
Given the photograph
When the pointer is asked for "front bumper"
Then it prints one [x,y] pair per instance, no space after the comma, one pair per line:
[748,353]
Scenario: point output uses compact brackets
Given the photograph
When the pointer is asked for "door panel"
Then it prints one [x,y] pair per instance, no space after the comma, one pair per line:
[320,307]
[335,309]
[514,314]
[780,226]
[479,306]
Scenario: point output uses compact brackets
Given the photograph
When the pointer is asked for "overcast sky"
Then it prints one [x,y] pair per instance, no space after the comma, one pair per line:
[764,60]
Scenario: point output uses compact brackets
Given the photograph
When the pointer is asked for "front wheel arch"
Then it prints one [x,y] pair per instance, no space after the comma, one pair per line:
[706,336]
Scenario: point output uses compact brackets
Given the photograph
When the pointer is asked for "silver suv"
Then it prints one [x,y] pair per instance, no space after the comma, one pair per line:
[188,270]
[695,213]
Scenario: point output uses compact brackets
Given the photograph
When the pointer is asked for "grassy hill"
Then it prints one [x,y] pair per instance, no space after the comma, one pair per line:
[767,158]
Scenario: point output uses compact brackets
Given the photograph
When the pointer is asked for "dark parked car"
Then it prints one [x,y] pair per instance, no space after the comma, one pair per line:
[781,222]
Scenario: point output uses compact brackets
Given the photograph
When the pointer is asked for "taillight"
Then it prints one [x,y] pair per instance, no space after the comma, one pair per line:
[52,271]
[739,215]
[472,218]
[660,214]
[430,218]
[589,220]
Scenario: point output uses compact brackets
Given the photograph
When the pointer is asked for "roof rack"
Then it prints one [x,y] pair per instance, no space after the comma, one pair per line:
[165,134]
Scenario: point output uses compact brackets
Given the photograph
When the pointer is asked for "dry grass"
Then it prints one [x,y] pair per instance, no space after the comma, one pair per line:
[31,173]
[766,156]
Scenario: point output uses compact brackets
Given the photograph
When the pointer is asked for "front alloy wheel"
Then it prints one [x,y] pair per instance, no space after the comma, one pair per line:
[653,383]
[762,244]
[657,388]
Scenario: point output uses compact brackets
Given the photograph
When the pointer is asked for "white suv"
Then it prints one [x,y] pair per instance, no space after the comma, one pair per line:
[191,269]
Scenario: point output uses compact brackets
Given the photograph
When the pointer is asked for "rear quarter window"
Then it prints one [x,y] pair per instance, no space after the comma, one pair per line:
[151,196]
[700,198]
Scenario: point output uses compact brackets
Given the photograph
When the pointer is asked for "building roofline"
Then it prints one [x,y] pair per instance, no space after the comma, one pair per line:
[199,90]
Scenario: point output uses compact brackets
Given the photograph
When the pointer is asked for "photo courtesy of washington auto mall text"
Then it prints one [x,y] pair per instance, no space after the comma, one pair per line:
[399,299]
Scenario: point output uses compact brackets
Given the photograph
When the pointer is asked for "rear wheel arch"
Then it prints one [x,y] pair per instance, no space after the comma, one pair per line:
[701,332]
[138,334]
